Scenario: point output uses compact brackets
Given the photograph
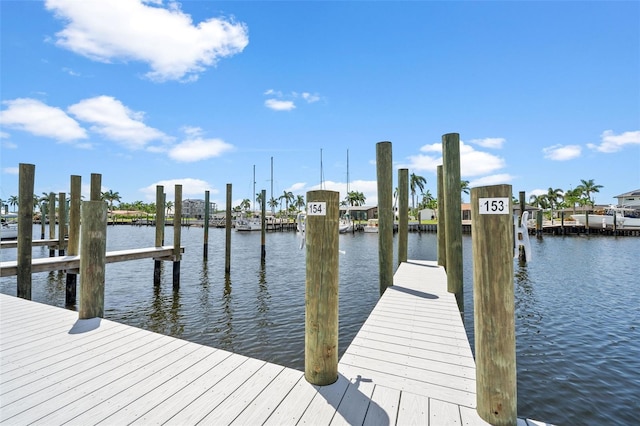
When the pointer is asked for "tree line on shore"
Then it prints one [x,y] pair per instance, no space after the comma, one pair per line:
[289,203]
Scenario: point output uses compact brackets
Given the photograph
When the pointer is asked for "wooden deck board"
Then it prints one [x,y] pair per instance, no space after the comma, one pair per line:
[410,363]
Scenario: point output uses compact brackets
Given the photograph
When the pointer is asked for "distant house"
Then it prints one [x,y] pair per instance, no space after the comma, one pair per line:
[360,212]
[195,208]
[630,199]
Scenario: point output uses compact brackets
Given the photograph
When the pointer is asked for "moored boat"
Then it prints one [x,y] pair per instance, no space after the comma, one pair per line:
[622,217]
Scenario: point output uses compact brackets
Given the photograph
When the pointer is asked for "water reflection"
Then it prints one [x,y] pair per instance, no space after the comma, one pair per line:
[227,338]
[262,307]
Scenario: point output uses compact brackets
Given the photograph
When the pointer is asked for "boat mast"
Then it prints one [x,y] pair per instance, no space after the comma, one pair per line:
[254,188]
[321,172]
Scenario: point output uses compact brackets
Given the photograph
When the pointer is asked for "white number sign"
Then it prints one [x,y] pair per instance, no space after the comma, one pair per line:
[494,205]
[317,208]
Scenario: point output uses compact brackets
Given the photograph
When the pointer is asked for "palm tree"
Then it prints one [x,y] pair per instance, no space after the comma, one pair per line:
[553,195]
[287,197]
[169,207]
[13,202]
[464,187]
[273,203]
[355,198]
[245,204]
[110,197]
[299,202]
[416,183]
[588,187]
[260,199]
[572,197]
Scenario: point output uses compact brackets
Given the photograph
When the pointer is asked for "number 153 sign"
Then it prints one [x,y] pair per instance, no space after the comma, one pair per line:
[494,205]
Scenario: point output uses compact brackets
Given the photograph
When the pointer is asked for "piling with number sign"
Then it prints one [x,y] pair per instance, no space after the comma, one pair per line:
[177,228]
[205,246]
[93,251]
[321,295]
[227,233]
[493,302]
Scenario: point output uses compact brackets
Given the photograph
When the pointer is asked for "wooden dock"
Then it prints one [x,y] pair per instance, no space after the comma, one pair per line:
[58,263]
[409,364]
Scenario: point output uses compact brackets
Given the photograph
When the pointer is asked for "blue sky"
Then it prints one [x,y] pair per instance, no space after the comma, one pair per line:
[543,94]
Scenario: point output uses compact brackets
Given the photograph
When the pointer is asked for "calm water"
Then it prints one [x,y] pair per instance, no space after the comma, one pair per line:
[577,308]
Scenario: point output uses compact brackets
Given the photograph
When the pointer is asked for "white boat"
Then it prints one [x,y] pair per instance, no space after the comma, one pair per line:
[346,224]
[625,218]
[9,230]
[253,223]
[371,226]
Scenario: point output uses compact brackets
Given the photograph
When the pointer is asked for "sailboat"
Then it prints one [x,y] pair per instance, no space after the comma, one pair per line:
[346,223]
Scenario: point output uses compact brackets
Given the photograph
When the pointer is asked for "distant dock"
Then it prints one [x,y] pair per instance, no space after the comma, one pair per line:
[410,363]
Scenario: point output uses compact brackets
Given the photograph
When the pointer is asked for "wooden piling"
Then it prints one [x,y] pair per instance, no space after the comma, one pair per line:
[493,297]
[441,237]
[52,222]
[453,213]
[177,228]
[263,228]
[95,193]
[539,218]
[74,237]
[384,171]
[62,223]
[93,251]
[227,232]
[26,178]
[205,246]
[403,214]
[160,219]
[321,296]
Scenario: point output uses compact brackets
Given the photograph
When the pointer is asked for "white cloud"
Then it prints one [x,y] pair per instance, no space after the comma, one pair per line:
[115,121]
[310,98]
[37,118]
[191,188]
[562,152]
[489,142]
[611,142]
[472,162]
[278,105]
[165,38]
[11,171]
[197,149]
[498,179]
[285,102]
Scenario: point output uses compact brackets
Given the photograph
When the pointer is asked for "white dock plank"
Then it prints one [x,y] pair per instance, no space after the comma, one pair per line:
[264,404]
[383,409]
[413,410]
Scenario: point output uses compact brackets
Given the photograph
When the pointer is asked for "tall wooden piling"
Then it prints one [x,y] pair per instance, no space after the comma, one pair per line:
[26,178]
[205,245]
[321,296]
[539,220]
[453,213]
[62,223]
[95,192]
[384,171]
[493,301]
[227,233]
[403,214]
[177,228]
[441,237]
[263,228]
[73,247]
[93,251]
[159,241]
[52,222]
